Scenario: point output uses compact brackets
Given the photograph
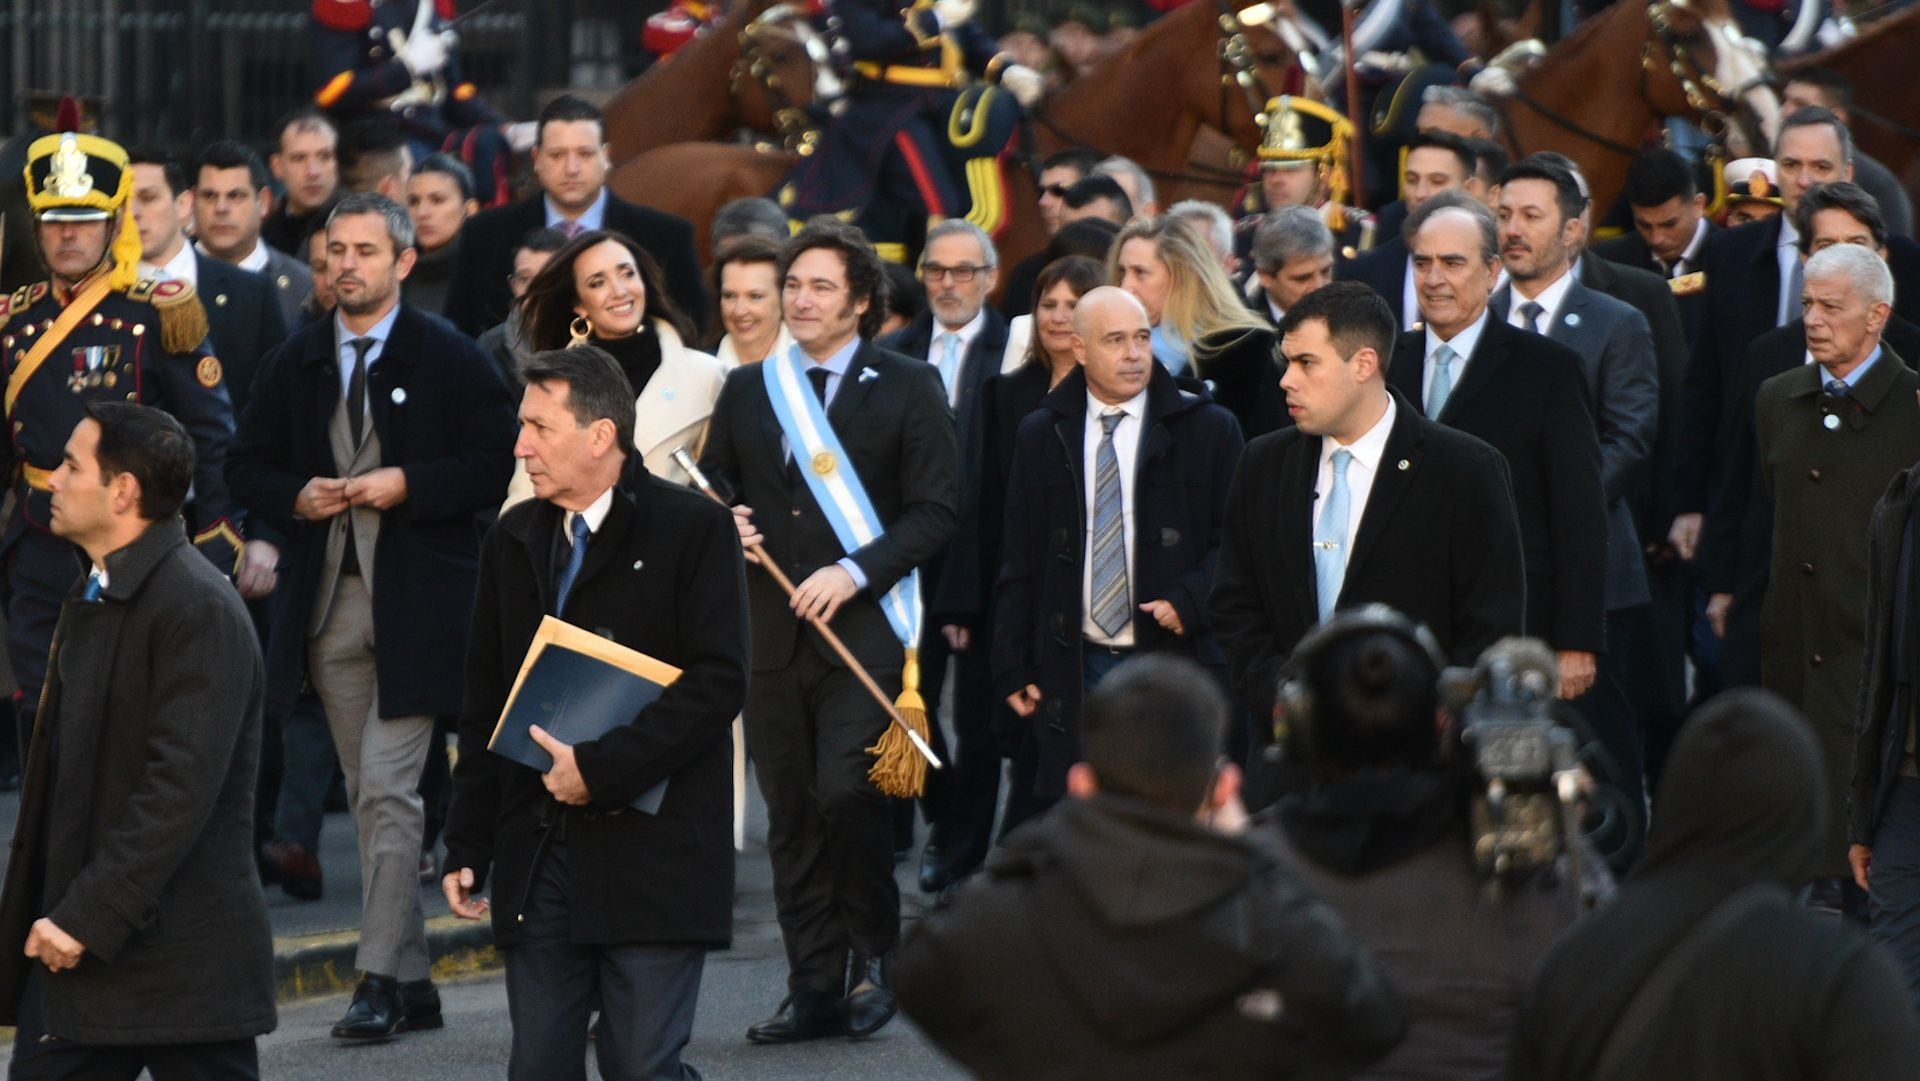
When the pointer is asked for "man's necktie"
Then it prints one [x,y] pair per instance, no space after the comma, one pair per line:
[1330,537]
[818,377]
[949,362]
[1531,312]
[357,390]
[581,534]
[92,592]
[570,229]
[1443,358]
[1110,603]
[1796,284]
[1838,388]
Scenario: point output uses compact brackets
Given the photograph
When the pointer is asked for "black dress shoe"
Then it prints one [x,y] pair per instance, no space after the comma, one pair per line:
[935,875]
[375,1013]
[870,1002]
[805,1015]
[299,869]
[419,1006]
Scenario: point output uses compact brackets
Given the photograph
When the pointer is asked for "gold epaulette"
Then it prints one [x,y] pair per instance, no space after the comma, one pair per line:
[183,319]
[1687,285]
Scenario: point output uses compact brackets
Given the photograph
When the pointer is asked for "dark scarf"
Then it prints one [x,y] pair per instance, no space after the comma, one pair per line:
[638,354]
[1372,819]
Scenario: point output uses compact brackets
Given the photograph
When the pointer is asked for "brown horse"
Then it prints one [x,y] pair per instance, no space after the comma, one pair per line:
[1183,76]
[738,75]
[1601,92]
[1885,117]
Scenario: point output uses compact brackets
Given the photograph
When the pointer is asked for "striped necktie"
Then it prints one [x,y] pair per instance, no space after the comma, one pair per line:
[1110,605]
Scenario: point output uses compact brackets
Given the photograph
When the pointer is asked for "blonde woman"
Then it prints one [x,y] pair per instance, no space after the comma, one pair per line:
[1202,328]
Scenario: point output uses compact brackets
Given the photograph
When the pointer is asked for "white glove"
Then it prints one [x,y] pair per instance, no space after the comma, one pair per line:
[1024,83]
[952,13]
[520,136]
[424,54]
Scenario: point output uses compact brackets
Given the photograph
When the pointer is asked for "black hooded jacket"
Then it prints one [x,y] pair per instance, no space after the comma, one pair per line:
[1111,940]
[1784,992]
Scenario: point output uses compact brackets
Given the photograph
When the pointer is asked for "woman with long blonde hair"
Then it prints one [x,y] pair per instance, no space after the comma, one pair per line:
[1202,327]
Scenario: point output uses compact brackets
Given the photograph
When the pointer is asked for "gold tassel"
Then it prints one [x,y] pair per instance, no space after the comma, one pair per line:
[183,321]
[898,770]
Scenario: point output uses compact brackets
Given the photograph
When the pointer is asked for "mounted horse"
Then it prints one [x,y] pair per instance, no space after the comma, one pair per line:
[1586,100]
[753,71]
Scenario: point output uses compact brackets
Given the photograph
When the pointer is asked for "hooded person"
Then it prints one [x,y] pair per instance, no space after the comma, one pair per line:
[1703,968]
[1134,932]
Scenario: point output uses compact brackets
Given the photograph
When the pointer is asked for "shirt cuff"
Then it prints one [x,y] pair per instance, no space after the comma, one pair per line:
[853,571]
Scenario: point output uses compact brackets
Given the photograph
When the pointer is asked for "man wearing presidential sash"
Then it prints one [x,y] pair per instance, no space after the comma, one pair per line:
[840,458]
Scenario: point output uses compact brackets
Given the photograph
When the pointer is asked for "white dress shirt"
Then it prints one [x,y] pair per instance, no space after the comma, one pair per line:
[1126,450]
[255,260]
[1788,256]
[181,268]
[936,349]
[1463,345]
[1552,298]
[595,514]
[1366,451]
[1410,315]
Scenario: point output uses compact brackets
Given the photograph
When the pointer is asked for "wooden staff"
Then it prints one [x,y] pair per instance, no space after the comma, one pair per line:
[1356,153]
[767,564]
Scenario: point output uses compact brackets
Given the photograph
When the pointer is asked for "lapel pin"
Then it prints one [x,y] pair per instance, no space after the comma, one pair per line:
[1573,319]
[638,563]
[668,394]
[1832,421]
[1405,465]
[399,395]
[868,374]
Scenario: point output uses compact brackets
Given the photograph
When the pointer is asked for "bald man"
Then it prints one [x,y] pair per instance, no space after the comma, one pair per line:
[1109,552]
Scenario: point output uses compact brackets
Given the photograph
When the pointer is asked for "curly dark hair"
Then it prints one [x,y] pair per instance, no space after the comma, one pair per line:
[866,274]
[546,310]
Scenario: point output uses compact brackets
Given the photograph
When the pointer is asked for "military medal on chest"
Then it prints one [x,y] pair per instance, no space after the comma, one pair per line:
[93,366]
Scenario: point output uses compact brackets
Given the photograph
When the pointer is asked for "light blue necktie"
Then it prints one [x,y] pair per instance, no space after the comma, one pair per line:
[1443,359]
[1109,540]
[949,361]
[581,534]
[1330,537]
[92,592]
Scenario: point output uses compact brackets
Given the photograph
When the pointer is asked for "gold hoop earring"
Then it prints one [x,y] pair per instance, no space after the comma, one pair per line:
[579,331]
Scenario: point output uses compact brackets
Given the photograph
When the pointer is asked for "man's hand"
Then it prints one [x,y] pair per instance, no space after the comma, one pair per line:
[458,886]
[749,533]
[322,498]
[1025,701]
[822,594]
[49,945]
[958,638]
[1024,83]
[564,779]
[1577,669]
[259,569]
[1860,858]
[423,54]
[1164,614]
[1685,535]
[1719,605]
[521,136]
[381,489]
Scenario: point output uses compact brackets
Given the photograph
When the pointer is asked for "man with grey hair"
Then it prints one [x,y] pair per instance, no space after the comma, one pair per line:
[1829,437]
[371,441]
[1292,256]
[752,216]
[1212,223]
[1134,181]
[1459,111]
[962,335]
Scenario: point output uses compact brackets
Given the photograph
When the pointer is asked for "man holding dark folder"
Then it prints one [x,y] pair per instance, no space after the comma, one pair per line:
[601,905]
[843,455]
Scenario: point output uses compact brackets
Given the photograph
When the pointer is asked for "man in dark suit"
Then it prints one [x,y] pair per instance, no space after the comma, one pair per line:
[1363,501]
[809,722]
[373,441]
[229,207]
[1436,161]
[963,337]
[1670,229]
[601,908]
[1113,529]
[1737,549]
[1292,255]
[1540,213]
[1525,396]
[570,162]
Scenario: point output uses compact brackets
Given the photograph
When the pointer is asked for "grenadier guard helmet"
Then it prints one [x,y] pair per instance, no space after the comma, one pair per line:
[1302,132]
[73,176]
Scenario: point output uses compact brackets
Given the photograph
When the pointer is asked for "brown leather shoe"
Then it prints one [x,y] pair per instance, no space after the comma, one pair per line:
[299,869]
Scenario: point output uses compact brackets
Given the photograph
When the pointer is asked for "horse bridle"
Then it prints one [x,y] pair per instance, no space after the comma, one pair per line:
[790,119]
[1703,92]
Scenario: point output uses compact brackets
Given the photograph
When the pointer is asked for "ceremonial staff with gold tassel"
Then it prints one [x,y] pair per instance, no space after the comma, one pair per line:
[841,463]
[94,331]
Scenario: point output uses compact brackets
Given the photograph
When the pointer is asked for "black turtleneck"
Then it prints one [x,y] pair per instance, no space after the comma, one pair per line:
[638,354]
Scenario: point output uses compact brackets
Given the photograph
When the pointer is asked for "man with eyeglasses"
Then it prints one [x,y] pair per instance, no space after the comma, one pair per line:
[964,338]
[503,341]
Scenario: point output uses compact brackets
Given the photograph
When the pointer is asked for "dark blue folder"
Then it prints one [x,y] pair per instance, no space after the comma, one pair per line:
[578,686]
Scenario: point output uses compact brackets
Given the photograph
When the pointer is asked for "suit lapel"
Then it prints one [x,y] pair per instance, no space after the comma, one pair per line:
[854,386]
[1399,460]
[606,542]
[665,408]
[1482,368]
[1296,525]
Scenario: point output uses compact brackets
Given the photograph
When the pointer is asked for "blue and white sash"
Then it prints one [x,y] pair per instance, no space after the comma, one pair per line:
[830,474]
